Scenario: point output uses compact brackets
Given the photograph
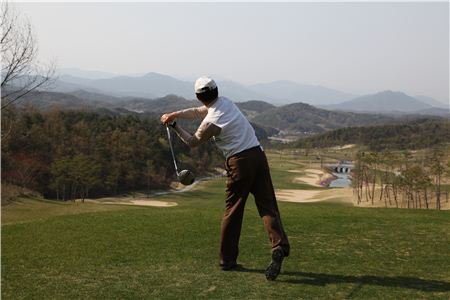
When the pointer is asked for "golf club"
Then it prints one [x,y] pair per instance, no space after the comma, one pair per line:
[186,177]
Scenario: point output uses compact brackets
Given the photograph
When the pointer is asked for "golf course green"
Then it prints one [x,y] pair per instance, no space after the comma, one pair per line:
[54,250]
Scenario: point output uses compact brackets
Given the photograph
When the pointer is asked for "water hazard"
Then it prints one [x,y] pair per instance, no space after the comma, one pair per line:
[342,180]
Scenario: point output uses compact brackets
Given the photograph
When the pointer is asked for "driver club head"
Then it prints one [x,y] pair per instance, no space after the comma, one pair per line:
[186,177]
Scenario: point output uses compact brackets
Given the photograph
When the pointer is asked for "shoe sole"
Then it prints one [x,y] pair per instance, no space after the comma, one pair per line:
[273,270]
[229,268]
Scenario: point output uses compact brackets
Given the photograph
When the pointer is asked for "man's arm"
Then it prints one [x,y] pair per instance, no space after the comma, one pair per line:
[189,114]
[204,132]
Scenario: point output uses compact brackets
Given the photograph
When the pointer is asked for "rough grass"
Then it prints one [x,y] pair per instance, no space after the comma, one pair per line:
[11,192]
[87,251]
[34,209]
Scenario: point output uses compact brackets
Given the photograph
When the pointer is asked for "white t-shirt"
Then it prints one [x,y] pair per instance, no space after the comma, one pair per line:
[237,133]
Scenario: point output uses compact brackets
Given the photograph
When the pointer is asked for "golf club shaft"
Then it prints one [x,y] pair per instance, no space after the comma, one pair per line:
[171,149]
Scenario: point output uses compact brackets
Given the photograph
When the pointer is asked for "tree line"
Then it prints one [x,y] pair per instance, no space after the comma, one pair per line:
[77,154]
[412,135]
[402,179]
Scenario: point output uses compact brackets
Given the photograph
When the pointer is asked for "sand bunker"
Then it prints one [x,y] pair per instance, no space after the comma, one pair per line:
[146,203]
[348,146]
[309,196]
[131,201]
[311,176]
[314,171]
[301,196]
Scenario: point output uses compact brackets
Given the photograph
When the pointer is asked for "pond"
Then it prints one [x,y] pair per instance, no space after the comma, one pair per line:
[342,180]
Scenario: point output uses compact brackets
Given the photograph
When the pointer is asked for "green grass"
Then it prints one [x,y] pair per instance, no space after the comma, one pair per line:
[65,251]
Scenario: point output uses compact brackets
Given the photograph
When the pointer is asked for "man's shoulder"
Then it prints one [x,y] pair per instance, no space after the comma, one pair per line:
[225,102]
[224,99]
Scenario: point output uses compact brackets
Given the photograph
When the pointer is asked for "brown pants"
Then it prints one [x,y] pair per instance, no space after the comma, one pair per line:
[248,172]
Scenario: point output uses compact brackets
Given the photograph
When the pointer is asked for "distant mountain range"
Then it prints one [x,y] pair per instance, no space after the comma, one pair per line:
[158,85]
[89,74]
[431,101]
[154,85]
[389,102]
[296,118]
[290,91]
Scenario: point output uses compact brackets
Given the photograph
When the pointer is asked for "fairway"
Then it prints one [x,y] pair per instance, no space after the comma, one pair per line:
[89,251]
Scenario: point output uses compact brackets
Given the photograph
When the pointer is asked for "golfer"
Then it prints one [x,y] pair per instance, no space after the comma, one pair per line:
[247,171]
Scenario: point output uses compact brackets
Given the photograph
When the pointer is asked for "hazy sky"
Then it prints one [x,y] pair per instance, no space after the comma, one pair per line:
[354,47]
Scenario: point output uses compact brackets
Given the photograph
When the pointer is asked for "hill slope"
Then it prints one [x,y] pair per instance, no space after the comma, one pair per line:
[290,92]
[46,100]
[148,85]
[416,134]
[431,101]
[386,102]
[305,118]
[165,104]
[255,106]
[296,117]
[153,85]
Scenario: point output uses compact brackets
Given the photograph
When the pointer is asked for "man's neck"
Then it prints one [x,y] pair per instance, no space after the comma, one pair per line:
[211,103]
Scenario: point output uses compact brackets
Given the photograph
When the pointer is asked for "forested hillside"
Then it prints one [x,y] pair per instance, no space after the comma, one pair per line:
[255,106]
[75,154]
[161,105]
[301,117]
[417,134]
[297,118]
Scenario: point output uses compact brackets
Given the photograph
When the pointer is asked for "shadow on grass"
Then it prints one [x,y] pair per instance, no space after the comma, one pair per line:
[322,279]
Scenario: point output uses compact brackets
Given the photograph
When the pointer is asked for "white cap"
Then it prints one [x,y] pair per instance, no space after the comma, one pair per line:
[204,84]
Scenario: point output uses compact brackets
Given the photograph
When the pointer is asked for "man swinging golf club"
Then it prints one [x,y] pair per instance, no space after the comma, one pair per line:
[247,171]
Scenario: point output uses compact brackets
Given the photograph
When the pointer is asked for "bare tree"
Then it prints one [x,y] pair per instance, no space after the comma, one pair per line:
[437,166]
[20,71]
